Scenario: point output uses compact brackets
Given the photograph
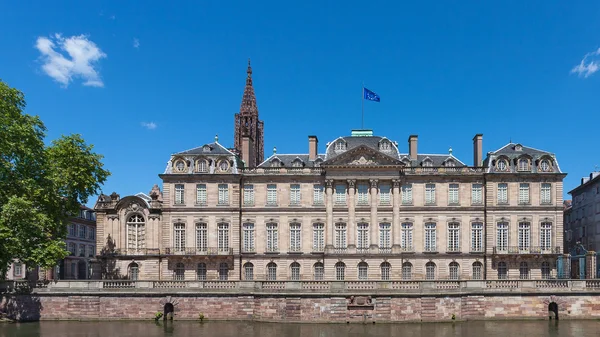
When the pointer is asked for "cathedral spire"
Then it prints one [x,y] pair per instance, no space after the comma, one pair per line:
[247,125]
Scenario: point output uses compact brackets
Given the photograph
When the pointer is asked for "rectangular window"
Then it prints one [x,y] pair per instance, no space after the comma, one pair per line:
[453,194]
[179,237]
[545,193]
[429,194]
[136,235]
[318,195]
[523,193]
[295,236]
[524,236]
[248,229]
[502,236]
[18,269]
[384,194]
[91,251]
[92,233]
[201,194]
[406,237]
[385,241]
[223,237]
[319,272]
[82,231]
[477,275]
[477,194]
[503,193]
[249,195]
[272,238]
[407,197]
[340,194]
[430,237]
[272,195]
[546,236]
[179,194]
[223,194]
[295,194]
[453,237]
[72,230]
[363,194]
[82,250]
[201,237]
[318,237]
[340,236]
[476,237]
[362,238]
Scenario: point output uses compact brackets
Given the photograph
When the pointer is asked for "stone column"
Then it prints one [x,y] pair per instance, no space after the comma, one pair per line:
[351,217]
[373,226]
[329,211]
[590,265]
[396,216]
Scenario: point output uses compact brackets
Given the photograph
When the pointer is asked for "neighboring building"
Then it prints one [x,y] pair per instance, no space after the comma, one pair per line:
[80,241]
[362,210]
[582,218]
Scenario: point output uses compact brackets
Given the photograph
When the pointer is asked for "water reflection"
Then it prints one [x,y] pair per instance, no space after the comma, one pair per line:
[253,329]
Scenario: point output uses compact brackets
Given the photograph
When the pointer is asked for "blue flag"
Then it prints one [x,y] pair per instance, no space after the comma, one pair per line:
[370,96]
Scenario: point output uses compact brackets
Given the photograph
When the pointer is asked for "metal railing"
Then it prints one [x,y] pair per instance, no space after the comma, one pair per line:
[527,250]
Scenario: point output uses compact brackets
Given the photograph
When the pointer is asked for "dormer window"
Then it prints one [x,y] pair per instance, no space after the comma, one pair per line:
[427,163]
[385,146]
[518,147]
[206,148]
[318,162]
[275,163]
[502,165]
[340,146]
[202,165]
[523,164]
[223,165]
[545,165]
[450,163]
[180,166]
[297,163]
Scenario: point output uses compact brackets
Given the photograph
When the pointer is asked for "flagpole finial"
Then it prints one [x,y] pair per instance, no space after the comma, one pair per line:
[249,71]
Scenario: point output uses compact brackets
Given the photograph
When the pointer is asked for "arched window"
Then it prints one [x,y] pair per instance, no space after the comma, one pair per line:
[406,271]
[523,271]
[201,272]
[295,269]
[319,271]
[271,271]
[134,271]
[202,166]
[363,271]
[502,165]
[179,272]
[545,270]
[385,146]
[385,271]
[545,165]
[180,165]
[523,164]
[136,233]
[340,146]
[502,271]
[453,271]
[340,271]
[248,271]
[430,271]
[477,271]
[223,271]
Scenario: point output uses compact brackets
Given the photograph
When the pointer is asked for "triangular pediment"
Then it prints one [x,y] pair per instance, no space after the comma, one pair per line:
[362,156]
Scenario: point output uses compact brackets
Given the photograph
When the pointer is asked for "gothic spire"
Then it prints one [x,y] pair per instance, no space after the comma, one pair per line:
[249,106]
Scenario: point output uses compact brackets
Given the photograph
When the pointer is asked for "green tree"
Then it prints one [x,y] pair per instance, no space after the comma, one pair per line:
[40,186]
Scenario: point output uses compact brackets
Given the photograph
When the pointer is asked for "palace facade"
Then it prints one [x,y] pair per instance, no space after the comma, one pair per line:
[363,209]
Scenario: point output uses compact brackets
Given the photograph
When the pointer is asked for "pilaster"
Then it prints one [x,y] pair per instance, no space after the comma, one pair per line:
[373,226]
[329,213]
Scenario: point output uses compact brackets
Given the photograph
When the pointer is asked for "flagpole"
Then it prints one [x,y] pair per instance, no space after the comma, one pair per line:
[362,100]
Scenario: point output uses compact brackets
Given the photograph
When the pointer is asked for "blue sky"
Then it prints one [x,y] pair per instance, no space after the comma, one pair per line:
[146,79]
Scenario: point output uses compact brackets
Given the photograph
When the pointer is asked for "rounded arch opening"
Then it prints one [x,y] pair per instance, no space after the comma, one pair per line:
[553,310]
[168,311]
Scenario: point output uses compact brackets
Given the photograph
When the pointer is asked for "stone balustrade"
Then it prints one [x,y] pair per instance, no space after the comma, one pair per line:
[308,287]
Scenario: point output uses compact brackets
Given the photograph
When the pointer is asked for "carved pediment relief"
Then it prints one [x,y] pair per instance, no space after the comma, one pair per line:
[362,156]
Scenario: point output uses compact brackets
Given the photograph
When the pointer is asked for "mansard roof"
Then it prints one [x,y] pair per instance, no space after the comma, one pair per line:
[356,141]
[287,160]
[513,151]
[208,149]
[438,160]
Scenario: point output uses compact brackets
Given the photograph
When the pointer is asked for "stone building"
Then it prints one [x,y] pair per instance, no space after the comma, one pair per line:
[582,217]
[363,209]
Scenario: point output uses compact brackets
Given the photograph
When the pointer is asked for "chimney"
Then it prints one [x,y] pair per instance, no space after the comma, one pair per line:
[313,147]
[477,146]
[412,147]
[248,155]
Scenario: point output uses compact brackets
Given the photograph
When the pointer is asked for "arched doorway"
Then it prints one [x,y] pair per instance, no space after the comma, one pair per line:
[553,310]
[169,311]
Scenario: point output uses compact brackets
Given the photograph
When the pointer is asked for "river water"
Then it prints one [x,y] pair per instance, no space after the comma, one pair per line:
[255,329]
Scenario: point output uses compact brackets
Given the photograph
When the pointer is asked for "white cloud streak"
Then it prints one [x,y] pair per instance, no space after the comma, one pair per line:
[67,58]
[149,125]
[588,65]
[136,43]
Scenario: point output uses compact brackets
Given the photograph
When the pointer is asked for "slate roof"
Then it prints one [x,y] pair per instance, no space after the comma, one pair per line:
[438,160]
[215,149]
[287,160]
[512,151]
[353,142]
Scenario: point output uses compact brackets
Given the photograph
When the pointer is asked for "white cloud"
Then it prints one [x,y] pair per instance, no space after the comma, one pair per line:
[589,64]
[136,43]
[149,125]
[68,58]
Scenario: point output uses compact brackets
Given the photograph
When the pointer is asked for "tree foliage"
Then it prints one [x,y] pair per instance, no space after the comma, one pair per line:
[40,186]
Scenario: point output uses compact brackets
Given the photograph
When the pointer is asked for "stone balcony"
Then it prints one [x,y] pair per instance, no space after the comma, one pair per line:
[167,251]
[305,287]
[530,250]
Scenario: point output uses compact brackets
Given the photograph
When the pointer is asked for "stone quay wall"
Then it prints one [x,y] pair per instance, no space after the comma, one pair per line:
[341,302]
